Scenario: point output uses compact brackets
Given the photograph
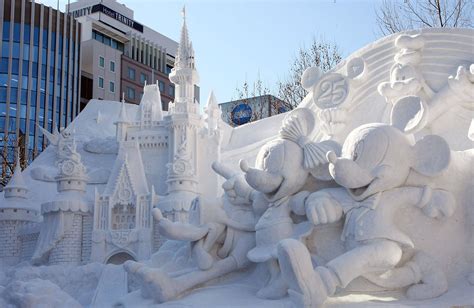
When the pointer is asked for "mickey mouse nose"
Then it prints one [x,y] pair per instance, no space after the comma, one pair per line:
[331,157]
[244,166]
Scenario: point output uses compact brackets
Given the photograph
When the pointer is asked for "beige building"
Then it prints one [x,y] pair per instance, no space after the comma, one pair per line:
[120,54]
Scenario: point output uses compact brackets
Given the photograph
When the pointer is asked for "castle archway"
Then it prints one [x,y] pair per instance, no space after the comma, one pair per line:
[120,258]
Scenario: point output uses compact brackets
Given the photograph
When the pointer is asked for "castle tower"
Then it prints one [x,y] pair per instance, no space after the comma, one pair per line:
[60,239]
[16,212]
[183,123]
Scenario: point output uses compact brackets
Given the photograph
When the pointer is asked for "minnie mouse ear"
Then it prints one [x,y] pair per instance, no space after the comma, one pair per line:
[298,123]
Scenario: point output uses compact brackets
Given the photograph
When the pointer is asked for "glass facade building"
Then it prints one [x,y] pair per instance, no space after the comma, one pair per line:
[39,76]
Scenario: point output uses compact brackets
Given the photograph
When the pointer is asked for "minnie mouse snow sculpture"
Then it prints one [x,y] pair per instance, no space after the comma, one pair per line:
[377,162]
[281,172]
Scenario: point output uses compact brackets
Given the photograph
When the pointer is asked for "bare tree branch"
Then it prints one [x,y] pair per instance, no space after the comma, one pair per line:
[321,54]
[395,15]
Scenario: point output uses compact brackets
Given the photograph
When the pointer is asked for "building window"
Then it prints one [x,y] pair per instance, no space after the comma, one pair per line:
[112,87]
[112,66]
[143,78]
[101,61]
[130,93]
[171,90]
[101,82]
[161,85]
[131,73]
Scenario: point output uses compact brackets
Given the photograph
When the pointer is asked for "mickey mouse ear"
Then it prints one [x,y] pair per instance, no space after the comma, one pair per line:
[298,123]
[409,114]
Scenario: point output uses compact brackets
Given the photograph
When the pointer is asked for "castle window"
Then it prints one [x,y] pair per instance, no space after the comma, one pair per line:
[123,216]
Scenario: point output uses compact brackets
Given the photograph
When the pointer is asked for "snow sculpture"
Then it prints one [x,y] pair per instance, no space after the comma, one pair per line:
[61,235]
[16,212]
[150,108]
[122,213]
[416,104]
[278,184]
[377,168]
[283,217]
[330,91]
[220,234]
[184,121]
[62,142]
[212,114]
[282,170]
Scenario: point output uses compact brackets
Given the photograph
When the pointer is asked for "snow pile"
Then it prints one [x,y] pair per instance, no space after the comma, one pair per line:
[78,282]
[102,146]
[36,293]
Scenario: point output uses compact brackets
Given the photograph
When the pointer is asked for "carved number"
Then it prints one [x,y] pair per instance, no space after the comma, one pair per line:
[331,91]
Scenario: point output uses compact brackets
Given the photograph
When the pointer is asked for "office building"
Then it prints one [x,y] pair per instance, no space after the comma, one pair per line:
[120,54]
[39,77]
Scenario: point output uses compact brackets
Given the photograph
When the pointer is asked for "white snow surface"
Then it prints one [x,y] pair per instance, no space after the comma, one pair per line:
[49,286]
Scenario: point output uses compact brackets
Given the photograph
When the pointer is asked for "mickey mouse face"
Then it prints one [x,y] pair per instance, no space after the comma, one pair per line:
[367,151]
[375,157]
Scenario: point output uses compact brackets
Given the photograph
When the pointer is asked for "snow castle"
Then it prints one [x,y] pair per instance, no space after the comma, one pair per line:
[156,158]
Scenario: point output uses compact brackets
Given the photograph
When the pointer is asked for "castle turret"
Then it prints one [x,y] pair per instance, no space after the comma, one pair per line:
[60,239]
[122,123]
[16,212]
[213,115]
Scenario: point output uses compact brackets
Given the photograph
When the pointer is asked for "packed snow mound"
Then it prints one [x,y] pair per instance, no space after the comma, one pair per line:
[78,282]
[37,293]
[102,146]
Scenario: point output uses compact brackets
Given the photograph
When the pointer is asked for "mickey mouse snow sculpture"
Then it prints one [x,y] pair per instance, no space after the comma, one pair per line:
[377,162]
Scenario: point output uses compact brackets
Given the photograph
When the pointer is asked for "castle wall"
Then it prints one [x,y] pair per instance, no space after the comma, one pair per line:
[10,243]
[28,236]
[68,250]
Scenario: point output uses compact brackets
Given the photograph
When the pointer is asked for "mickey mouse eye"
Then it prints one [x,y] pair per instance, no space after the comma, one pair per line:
[266,154]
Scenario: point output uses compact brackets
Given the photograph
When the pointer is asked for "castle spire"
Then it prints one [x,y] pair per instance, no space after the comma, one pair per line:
[123,118]
[184,74]
[184,57]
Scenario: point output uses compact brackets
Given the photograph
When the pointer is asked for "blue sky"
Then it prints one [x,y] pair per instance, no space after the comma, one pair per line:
[238,40]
